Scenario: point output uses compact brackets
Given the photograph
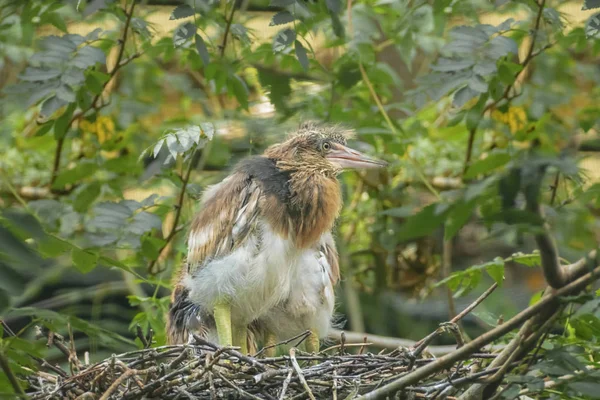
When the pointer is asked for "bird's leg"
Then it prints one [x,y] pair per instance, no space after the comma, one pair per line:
[270,340]
[240,337]
[222,313]
[312,342]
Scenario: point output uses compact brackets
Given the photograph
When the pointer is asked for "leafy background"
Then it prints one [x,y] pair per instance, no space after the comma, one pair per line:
[116,114]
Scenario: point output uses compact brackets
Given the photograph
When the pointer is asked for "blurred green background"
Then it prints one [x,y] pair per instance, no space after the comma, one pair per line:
[457,96]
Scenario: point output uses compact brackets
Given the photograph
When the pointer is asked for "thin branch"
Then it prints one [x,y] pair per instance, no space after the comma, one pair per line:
[299,373]
[474,304]
[486,338]
[469,153]
[60,143]
[179,205]
[446,271]
[229,20]
[556,276]
[506,95]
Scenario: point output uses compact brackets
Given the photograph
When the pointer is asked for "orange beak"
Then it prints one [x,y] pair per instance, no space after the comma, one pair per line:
[350,158]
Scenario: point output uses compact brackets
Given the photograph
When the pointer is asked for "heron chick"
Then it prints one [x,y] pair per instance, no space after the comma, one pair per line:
[260,251]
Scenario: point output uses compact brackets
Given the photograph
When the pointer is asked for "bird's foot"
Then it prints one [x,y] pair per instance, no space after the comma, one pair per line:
[270,345]
[240,338]
[313,344]
[222,313]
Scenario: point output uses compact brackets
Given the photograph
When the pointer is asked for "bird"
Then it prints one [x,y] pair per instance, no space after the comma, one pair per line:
[262,260]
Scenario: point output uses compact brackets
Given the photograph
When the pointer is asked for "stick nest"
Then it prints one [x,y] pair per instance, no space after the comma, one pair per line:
[203,370]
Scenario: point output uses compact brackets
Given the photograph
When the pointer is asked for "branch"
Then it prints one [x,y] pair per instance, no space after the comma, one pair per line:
[488,337]
[224,44]
[179,206]
[505,96]
[556,276]
[60,143]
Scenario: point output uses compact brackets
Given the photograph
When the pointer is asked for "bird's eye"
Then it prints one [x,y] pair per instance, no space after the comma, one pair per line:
[326,146]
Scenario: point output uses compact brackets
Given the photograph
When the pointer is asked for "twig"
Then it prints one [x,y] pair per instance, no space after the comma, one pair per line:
[237,388]
[116,384]
[474,304]
[140,335]
[481,341]
[555,275]
[301,336]
[505,96]
[61,141]
[286,383]
[299,373]
[554,188]
[446,271]
[227,27]
[179,205]
[469,153]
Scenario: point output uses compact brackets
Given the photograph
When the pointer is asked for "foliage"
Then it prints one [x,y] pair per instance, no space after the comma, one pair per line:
[110,134]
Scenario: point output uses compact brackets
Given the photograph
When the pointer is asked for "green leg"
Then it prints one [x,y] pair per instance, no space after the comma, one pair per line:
[240,338]
[312,342]
[222,313]
[270,340]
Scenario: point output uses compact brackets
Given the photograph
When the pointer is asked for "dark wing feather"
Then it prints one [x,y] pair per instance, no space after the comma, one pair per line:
[327,247]
[228,214]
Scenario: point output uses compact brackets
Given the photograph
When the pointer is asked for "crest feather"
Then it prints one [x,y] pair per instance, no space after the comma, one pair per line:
[336,132]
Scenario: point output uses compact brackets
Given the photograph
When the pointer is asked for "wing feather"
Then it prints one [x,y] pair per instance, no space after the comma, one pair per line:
[229,212]
[327,247]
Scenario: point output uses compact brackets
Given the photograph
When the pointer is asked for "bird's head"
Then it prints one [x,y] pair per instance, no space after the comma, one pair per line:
[321,148]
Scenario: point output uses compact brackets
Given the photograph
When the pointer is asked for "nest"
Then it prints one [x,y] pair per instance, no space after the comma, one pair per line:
[203,370]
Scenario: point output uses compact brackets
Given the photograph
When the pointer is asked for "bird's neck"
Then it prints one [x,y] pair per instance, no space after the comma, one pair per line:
[314,203]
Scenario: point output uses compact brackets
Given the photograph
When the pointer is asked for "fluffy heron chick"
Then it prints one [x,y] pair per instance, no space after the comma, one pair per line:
[260,251]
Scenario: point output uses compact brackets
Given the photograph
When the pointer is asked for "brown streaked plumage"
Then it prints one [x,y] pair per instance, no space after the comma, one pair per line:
[261,250]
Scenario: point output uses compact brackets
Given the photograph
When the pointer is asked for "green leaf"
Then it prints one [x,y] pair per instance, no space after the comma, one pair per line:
[463,95]
[590,4]
[495,269]
[458,217]
[50,106]
[530,260]
[88,56]
[334,5]
[337,26]
[592,26]
[56,20]
[278,87]
[202,50]
[421,224]
[151,247]
[239,89]
[281,3]
[301,55]
[182,11]
[84,260]
[508,71]
[488,164]
[93,84]
[281,18]
[283,39]
[51,246]
[183,32]
[33,74]
[4,302]
[74,175]
[62,122]
[86,196]
[450,65]
[587,388]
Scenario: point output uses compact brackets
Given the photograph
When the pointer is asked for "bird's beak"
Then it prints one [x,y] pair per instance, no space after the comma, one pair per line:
[350,158]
